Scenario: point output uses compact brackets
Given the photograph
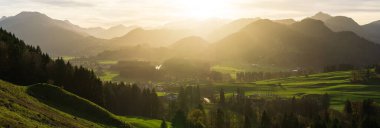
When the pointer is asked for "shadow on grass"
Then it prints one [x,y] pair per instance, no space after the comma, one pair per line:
[319,85]
[72,104]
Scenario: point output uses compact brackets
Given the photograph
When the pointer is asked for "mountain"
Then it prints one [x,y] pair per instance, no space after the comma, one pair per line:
[152,37]
[285,21]
[321,16]
[53,36]
[192,42]
[230,28]
[2,18]
[191,46]
[342,23]
[112,32]
[373,29]
[308,43]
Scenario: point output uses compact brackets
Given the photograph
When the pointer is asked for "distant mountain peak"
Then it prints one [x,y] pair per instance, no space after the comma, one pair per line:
[312,27]
[285,21]
[262,22]
[2,18]
[30,13]
[375,22]
[321,16]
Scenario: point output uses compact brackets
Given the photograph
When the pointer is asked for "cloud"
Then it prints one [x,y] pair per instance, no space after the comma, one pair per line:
[65,3]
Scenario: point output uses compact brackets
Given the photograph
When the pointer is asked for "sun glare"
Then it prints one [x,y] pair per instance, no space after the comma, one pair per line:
[203,9]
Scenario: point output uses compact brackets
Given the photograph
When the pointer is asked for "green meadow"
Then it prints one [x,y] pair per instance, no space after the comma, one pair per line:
[336,84]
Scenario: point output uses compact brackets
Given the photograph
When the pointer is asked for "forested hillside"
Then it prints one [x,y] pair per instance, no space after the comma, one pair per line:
[26,65]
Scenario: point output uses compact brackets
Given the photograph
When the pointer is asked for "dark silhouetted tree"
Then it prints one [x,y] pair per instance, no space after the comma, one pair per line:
[179,119]
[163,124]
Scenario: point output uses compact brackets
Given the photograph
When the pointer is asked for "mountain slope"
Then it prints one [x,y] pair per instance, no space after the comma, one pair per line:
[307,43]
[112,32]
[342,23]
[2,18]
[373,29]
[191,46]
[321,16]
[230,28]
[53,36]
[152,37]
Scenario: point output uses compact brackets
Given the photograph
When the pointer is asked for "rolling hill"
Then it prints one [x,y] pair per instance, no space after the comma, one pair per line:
[44,105]
[19,109]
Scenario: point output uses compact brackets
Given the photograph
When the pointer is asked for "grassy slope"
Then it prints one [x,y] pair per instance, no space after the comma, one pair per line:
[334,83]
[44,105]
[18,109]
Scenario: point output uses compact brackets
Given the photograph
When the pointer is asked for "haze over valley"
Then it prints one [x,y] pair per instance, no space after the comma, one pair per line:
[190,64]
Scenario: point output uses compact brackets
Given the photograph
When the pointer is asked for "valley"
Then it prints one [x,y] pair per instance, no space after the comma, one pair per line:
[318,71]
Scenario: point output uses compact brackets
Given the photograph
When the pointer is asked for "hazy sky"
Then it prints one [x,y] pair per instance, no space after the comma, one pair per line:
[105,13]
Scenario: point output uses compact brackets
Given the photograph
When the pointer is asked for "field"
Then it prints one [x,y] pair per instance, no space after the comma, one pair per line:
[108,76]
[43,105]
[232,69]
[336,84]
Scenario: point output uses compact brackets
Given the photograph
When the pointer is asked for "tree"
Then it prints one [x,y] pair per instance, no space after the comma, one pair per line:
[377,69]
[318,123]
[326,101]
[247,121]
[348,107]
[179,119]
[196,119]
[163,124]
[221,97]
[335,124]
[265,121]
[289,121]
[220,120]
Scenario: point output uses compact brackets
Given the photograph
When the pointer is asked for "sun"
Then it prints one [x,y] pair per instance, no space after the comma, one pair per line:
[203,9]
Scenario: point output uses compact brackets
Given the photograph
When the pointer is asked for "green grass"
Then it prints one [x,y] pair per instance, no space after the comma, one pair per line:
[336,84]
[232,69]
[72,104]
[145,123]
[108,76]
[65,58]
[44,105]
[18,109]
[107,62]
[161,93]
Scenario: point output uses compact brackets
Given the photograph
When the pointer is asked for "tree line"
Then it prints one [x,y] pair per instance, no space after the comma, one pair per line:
[368,75]
[240,111]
